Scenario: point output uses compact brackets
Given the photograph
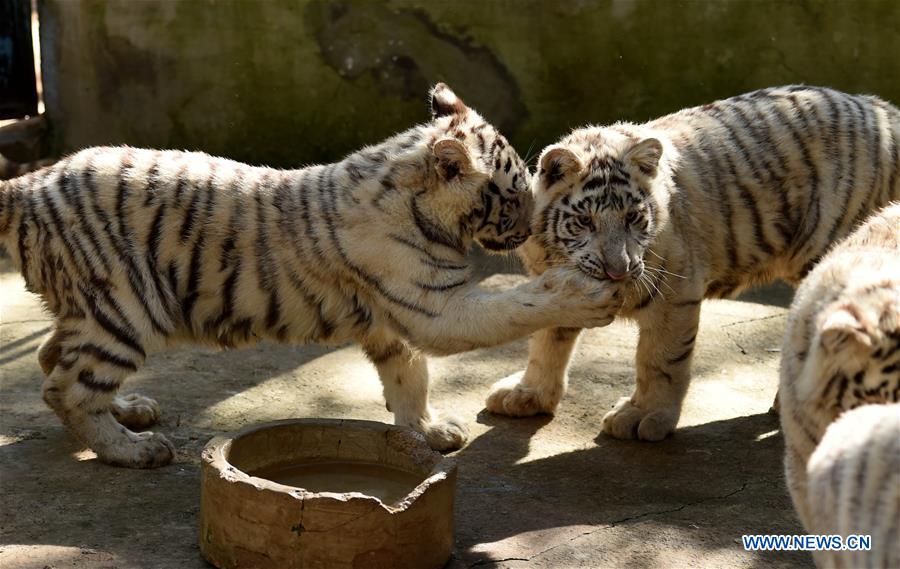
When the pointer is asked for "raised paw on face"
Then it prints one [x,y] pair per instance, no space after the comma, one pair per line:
[581,301]
[628,421]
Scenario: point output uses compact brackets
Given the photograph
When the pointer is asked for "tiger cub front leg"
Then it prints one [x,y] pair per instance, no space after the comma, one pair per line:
[668,330]
[404,374]
[541,387]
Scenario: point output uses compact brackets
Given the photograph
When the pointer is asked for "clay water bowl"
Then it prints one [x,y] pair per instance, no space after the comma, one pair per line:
[351,494]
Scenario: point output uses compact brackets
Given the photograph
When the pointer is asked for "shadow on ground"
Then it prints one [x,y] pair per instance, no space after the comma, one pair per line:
[628,501]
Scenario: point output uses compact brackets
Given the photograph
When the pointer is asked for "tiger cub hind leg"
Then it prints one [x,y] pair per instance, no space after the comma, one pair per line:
[81,389]
[542,385]
[404,374]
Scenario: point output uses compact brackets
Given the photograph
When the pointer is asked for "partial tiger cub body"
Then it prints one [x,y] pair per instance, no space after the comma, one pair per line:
[853,487]
[841,352]
[136,250]
[699,204]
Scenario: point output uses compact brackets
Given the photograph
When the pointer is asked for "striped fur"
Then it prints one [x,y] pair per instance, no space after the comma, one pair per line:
[853,481]
[135,251]
[842,352]
[699,204]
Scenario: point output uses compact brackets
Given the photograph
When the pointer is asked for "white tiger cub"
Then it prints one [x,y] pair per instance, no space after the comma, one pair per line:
[134,251]
[698,204]
[841,352]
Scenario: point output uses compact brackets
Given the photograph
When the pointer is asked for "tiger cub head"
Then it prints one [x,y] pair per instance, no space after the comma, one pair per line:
[475,163]
[854,356]
[598,207]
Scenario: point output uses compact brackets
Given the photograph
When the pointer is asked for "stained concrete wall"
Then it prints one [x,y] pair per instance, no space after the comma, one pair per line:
[287,82]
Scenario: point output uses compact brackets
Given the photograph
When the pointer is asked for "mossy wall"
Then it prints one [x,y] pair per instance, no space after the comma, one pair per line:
[288,82]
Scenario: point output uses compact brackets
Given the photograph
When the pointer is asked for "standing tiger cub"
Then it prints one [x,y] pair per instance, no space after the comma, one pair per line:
[699,204]
[134,251]
[841,352]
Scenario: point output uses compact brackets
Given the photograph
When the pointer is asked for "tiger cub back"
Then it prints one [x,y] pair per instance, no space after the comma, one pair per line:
[842,352]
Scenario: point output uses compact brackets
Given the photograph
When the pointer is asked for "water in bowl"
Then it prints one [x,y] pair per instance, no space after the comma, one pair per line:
[386,483]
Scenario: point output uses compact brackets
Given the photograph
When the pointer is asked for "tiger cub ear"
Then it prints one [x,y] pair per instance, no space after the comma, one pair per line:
[445,102]
[843,328]
[558,163]
[453,158]
[645,156]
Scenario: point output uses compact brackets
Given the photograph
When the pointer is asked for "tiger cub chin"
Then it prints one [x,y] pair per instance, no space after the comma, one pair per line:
[841,352]
[134,251]
[699,204]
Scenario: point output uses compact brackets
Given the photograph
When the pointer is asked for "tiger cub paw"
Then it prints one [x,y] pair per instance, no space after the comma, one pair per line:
[510,397]
[445,435]
[135,411]
[142,450]
[628,421]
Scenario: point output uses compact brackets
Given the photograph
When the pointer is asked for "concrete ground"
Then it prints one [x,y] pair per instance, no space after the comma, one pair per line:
[532,492]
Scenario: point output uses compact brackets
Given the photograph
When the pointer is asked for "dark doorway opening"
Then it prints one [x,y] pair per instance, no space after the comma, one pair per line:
[18,83]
